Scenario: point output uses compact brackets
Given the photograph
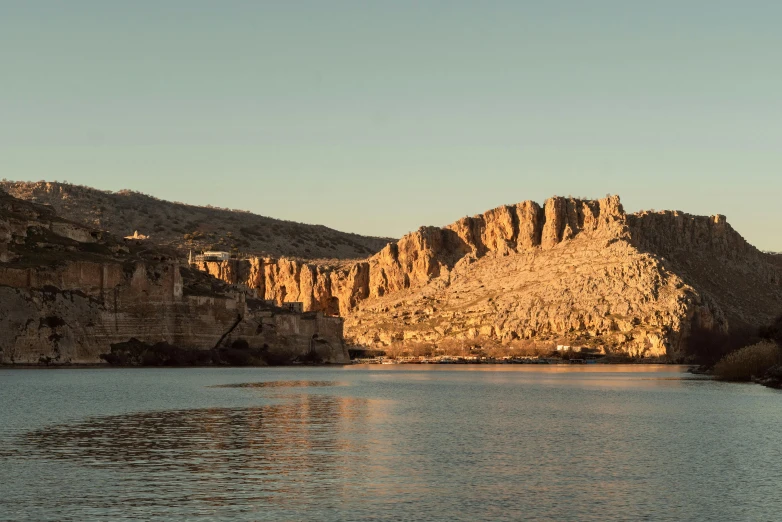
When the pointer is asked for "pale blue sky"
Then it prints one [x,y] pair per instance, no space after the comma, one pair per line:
[378,117]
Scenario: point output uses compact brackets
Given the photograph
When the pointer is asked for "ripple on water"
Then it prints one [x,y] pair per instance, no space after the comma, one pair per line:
[281,384]
[228,456]
[453,445]
[247,440]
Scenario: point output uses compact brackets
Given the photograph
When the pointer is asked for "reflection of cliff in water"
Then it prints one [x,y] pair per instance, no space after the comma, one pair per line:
[247,451]
[281,384]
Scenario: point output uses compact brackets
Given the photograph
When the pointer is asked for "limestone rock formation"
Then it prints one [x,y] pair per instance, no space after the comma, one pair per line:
[573,271]
[69,294]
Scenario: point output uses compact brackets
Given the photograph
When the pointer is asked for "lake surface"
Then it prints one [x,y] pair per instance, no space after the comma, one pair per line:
[501,442]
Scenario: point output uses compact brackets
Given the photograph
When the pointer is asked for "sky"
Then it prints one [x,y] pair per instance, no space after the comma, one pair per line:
[378,117]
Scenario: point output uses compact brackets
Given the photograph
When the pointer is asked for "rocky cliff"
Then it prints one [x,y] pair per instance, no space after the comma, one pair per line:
[570,271]
[69,294]
[716,260]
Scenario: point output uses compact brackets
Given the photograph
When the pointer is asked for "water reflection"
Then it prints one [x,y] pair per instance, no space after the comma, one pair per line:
[395,445]
[281,384]
[255,453]
[204,437]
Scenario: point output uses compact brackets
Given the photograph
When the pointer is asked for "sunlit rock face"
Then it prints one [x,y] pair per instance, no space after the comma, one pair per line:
[571,271]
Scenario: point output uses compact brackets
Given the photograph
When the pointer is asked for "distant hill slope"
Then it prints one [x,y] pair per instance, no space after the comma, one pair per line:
[186,227]
[70,294]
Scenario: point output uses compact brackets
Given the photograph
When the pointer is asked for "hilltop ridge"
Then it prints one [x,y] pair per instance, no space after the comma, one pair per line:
[184,227]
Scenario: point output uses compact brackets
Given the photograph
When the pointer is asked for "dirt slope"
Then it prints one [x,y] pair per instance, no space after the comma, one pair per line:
[186,227]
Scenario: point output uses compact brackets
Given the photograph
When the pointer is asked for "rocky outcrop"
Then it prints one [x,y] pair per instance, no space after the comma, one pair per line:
[70,325]
[570,271]
[424,255]
[70,296]
[710,256]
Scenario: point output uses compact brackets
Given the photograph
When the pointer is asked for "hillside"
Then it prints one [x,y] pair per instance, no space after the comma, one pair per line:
[570,271]
[74,295]
[185,227]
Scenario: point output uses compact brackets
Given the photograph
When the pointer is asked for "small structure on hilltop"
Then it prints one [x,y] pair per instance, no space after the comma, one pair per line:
[137,237]
[209,256]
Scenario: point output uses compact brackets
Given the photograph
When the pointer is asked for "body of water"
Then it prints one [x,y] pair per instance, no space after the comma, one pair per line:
[505,442]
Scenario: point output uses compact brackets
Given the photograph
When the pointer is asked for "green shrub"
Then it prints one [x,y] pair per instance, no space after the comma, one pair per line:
[747,362]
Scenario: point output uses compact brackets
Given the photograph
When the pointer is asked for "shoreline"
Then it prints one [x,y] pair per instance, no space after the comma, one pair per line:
[92,366]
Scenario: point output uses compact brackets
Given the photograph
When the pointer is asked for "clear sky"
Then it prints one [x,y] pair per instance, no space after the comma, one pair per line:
[377,117]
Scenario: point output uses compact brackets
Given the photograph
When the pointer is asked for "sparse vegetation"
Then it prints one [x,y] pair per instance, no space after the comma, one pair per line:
[481,346]
[187,227]
[748,362]
[759,360]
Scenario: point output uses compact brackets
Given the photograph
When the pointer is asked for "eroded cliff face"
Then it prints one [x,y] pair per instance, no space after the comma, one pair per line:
[571,295]
[706,252]
[68,296]
[565,273]
[570,271]
[424,255]
[70,326]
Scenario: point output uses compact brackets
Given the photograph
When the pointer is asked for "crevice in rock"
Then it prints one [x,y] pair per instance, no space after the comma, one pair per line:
[227,333]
